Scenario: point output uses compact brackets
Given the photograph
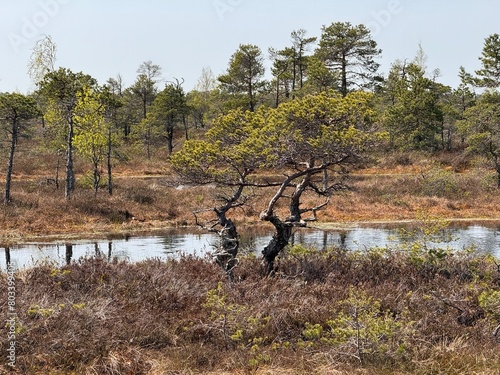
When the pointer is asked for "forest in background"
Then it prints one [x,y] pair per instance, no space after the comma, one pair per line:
[73,113]
[88,159]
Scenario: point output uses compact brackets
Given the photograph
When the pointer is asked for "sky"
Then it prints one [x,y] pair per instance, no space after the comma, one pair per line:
[105,38]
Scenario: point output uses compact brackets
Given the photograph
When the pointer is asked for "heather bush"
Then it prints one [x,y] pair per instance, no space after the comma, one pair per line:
[375,311]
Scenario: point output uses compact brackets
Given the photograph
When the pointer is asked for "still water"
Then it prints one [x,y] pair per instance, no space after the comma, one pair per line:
[171,244]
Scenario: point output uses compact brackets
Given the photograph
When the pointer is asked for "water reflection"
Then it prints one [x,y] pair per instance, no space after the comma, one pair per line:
[172,243]
[69,253]
[7,255]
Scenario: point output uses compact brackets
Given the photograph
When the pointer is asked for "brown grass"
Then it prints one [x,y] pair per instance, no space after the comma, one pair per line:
[148,196]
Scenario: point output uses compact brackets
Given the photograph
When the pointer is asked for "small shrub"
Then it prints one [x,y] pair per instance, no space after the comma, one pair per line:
[490,301]
[441,183]
[224,316]
[363,330]
[424,243]
[141,195]
[87,181]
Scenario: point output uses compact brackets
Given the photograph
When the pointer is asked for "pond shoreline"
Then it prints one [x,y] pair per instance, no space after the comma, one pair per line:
[166,243]
[156,228]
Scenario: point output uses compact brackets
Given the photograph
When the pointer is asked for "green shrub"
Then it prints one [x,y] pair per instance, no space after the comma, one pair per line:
[362,329]
[442,183]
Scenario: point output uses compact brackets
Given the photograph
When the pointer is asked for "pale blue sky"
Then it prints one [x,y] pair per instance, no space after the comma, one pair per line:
[104,38]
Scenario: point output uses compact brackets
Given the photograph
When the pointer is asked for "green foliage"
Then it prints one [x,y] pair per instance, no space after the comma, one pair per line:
[169,109]
[489,300]
[324,126]
[237,327]
[15,111]
[36,310]
[291,66]
[245,75]
[92,132]
[362,329]
[351,52]
[415,114]
[438,182]
[144,88]
[61,88]
[17,107]
[313,331]
[202,106]
[489,75]
[480,129]
[61,92]
[88,181]
[422,244]
[225,317]
[299,250]
[231,151]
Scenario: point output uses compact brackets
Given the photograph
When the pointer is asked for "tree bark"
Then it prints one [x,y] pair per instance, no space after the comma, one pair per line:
[497,166]
[283,230]
[344,76]
[108,161]
[69,253]
[230,243]
[7,256]
[57,170]
[70,174]
[97,178]
[281,236]
[186,130]
[170,140]
[10,165]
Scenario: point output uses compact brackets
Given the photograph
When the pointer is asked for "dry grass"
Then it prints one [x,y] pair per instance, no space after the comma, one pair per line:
[95,317]
[148,196]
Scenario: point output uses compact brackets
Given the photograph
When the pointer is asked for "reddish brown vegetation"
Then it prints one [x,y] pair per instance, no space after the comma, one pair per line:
[184,317]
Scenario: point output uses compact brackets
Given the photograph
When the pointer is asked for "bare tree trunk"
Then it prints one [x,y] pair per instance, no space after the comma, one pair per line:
[7,256]
[225,256]
[343,88]
[69,253]
[251,97]
[148,143]
[170,141]
[10,164]
[281,236]
[108,161]
[185,123]
[283,230]
[70,174]
[97,179]
[230,242]
[57,170]
[497,168]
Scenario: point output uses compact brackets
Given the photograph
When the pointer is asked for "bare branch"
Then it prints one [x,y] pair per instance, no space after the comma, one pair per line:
[314,210]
